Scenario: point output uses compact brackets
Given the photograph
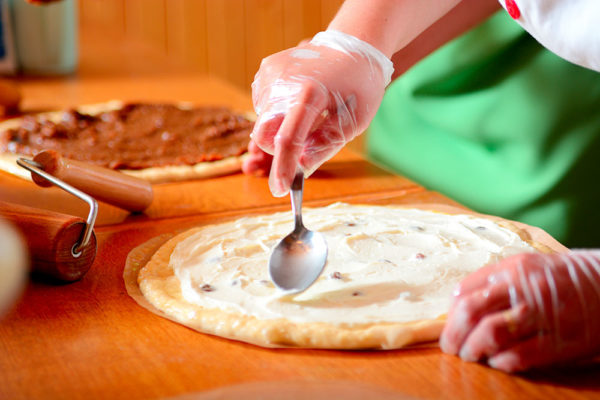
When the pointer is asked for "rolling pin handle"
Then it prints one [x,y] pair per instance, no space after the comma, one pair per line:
[77,248]
[113,187]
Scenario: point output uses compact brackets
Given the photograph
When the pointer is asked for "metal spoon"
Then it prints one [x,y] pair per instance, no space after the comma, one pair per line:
[299,258]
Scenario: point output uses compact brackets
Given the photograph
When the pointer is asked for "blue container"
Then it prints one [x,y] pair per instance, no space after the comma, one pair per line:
[8,59]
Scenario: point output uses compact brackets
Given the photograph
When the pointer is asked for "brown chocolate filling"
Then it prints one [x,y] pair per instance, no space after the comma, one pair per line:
[136,136]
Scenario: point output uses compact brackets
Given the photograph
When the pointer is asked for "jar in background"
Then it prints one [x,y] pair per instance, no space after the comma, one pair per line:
[45,36]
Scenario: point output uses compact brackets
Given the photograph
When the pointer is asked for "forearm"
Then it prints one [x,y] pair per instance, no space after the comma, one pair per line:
[466,15]
[389,25]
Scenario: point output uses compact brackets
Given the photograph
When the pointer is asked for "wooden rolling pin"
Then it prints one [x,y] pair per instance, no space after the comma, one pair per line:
[104,184]
[50,238]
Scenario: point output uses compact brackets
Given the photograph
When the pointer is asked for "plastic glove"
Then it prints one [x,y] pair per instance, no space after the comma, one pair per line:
[311,100]
[258,162]
[527,311]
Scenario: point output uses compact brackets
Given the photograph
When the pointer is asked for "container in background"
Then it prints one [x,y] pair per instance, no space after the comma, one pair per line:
[45,36]
[8,59]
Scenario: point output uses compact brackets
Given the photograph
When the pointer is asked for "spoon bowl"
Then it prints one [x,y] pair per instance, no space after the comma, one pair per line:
[299,258]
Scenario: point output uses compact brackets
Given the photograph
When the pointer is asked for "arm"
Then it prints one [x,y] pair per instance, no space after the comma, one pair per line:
[389,25]
[311,100]
[466,15]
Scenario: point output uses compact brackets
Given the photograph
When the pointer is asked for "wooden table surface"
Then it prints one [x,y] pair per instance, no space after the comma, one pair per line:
[89,339]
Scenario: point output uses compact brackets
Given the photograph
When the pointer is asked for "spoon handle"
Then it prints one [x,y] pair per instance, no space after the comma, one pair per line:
[296,197]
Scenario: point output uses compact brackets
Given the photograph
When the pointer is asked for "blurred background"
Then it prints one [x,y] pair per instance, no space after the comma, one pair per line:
[221,38]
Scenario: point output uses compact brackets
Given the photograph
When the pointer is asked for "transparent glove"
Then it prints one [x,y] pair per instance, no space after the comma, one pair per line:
[529,310]
[311,100]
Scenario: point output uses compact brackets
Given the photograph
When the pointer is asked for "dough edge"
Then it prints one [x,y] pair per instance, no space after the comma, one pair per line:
[151,282]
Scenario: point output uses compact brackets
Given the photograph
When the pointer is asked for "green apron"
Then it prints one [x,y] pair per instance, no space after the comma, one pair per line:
[500,124]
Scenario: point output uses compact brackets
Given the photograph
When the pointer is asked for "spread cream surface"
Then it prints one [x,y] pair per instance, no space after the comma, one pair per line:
[384,264]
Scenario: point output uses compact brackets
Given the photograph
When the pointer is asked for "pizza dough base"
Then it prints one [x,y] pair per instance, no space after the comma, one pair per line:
[149,264]
[228,165]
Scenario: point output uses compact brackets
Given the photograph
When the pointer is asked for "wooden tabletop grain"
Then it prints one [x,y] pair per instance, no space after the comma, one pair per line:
[89,339]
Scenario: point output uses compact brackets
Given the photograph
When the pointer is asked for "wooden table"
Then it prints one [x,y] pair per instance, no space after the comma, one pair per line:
[89,339]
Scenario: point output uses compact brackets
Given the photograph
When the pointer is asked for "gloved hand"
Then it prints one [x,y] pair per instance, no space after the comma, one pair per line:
[311,100]
[527,311]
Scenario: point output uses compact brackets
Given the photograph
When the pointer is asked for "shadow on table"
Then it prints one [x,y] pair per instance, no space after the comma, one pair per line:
[584,375]
[349,169]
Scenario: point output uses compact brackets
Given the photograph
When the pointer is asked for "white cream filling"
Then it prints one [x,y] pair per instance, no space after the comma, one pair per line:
[384,265]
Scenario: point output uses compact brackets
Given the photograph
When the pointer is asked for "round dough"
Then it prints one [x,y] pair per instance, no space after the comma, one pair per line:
[387,283]
[161,174]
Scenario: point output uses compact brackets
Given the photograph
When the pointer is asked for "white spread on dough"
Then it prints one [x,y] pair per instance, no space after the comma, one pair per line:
[385,264]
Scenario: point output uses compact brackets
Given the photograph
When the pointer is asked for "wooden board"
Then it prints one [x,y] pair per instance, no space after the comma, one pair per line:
[235,191]
[90,340]
[202,196]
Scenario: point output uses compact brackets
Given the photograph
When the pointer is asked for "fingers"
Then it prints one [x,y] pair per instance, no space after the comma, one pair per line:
[289,109]
[466,314]
[544,348]
[258,162]
[478,280]
[289,143]
[264,131]
[537,351]
[332,133]
[504,271]
[321,145]
[540,316]
[498,331]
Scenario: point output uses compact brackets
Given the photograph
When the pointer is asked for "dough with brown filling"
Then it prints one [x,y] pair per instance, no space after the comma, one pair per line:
[156,142]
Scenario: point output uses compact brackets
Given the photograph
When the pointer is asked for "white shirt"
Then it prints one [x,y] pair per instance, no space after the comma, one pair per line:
[569,28]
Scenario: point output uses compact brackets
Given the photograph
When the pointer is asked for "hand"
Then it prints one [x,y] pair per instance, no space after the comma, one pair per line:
[527,311]
[311,100]
[258,162]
